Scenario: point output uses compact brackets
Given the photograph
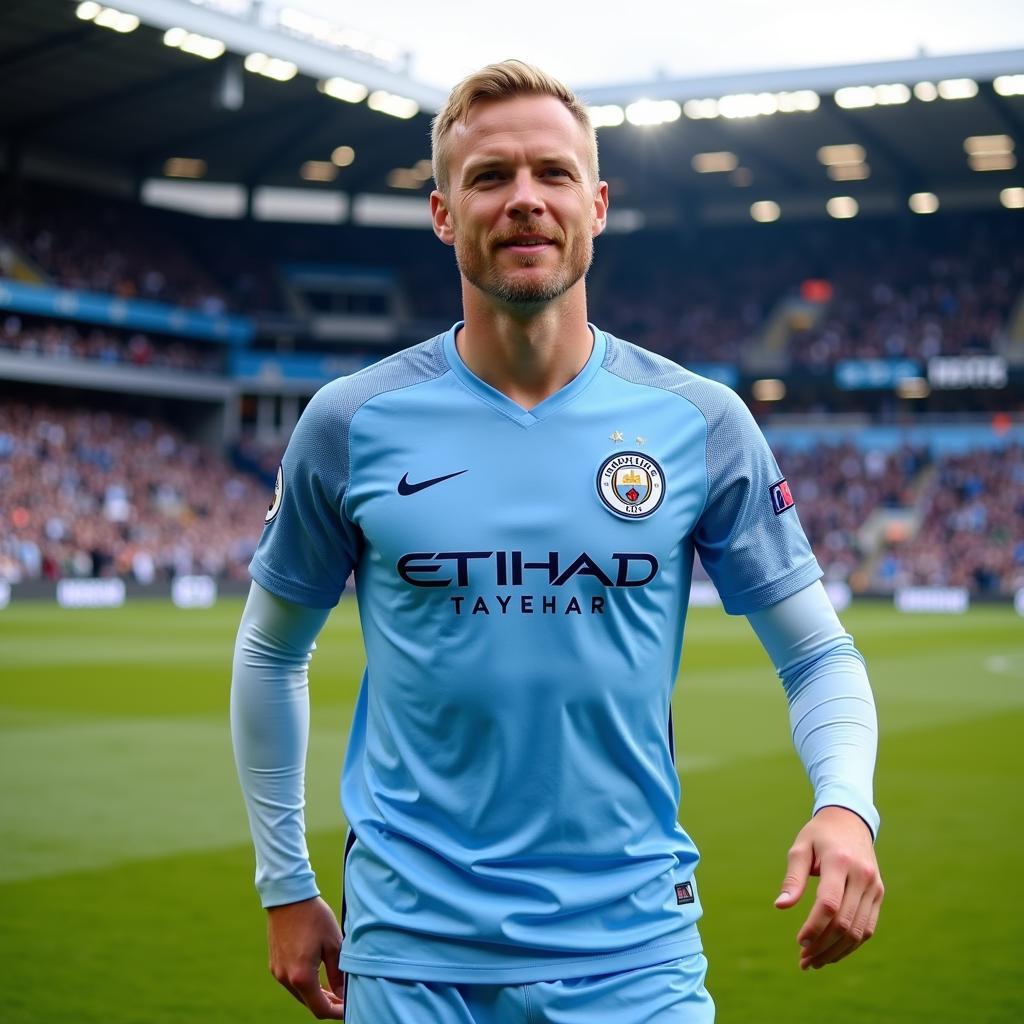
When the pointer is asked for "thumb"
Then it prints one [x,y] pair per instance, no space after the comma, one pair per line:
[798,869]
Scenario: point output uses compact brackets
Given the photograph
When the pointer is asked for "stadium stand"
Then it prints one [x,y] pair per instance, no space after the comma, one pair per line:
[105,245]
[52,339]
[89,493]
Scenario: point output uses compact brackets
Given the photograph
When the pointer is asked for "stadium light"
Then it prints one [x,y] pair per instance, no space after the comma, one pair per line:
[854,97]
[748,104]
[700,110]
[647,113]
[343,156]
[958,88]
[343,89]
[991,162]
[842,207]
[192,42]
[1009,85]
[886,95]
[390,103]
[923,202]
[318,170]
[404,177]
[926,92]
[913,387]
[988,145]
[849,172]
[764,211]
[608,116]
[106,17]
[184,167]
[843,153]
[714,163]
[801,101]
[892,95]
[423,170]
[1012,198]
[753,104]
[770,389]
[271,67]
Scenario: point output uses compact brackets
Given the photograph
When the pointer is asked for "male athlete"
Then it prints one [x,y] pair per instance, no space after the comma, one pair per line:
[521,499]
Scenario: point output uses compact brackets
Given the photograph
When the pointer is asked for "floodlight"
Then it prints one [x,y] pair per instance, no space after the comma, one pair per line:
[343,89]
[958,88]
[842,207]
[765,211]
[391,103]
[342,156]
[923,202]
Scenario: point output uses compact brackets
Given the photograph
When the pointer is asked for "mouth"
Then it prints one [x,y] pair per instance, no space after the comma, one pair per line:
[526,243]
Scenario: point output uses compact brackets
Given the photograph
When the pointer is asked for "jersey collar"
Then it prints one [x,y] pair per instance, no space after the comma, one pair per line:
[504,404]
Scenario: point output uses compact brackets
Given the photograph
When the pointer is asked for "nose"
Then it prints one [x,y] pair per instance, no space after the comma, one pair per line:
[525,198]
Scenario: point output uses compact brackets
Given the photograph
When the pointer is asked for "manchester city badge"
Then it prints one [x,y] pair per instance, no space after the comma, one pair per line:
[631,485]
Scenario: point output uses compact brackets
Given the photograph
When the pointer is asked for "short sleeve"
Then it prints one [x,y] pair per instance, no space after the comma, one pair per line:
[309,547]
[749,536]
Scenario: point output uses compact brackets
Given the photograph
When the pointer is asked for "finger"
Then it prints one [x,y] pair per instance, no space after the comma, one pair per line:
[842,923]
[321,1003]
[799,861]
[839,939]
[831,890]
[335,975]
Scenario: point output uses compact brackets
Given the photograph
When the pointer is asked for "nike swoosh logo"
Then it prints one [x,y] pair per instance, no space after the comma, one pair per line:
[404,487]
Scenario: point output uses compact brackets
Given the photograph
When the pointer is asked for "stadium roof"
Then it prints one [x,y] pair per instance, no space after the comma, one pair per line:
[112,107]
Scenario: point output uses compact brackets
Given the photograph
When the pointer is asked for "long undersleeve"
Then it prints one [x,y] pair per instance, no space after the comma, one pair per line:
[270,732]
[831,708]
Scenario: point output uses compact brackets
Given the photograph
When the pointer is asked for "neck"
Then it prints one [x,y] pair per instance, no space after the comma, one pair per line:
[526,353]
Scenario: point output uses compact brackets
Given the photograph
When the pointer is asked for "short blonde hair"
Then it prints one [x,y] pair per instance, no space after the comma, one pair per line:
[496,82]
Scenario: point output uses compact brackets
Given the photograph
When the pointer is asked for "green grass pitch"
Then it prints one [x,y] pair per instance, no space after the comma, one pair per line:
[126,873]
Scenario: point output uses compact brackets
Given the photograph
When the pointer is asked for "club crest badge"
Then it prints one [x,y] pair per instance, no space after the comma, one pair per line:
[631,485]
[275,505]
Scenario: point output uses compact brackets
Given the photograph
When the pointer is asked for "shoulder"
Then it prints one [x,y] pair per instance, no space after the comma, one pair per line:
[336,403]
[713,400]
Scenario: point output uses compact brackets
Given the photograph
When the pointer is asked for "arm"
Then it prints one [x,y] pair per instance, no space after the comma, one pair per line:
[270,728]
[832,715]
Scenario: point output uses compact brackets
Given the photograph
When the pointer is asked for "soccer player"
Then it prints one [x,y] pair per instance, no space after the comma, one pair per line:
[521,499]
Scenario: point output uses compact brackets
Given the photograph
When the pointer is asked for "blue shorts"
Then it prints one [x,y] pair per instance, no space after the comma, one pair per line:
[668,993]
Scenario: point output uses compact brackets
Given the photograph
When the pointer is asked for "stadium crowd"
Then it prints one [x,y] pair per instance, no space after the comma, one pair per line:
[90,493]
[915,291]
[972,530]
[910,300]
[837,487]
[105,245]
[56,339]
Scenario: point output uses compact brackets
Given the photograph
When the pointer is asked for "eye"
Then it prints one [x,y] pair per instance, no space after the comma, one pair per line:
[487,176]
[556,172]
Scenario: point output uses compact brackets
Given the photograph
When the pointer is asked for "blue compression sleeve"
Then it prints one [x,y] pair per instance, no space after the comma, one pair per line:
[831,709]
[270,730]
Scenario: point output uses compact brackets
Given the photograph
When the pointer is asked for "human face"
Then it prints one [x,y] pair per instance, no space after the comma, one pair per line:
[522,211]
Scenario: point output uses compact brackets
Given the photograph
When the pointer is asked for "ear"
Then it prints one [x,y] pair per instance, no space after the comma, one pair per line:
[600,209]
[440,217]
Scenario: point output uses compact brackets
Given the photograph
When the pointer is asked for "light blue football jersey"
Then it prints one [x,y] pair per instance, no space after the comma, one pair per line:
[522,580]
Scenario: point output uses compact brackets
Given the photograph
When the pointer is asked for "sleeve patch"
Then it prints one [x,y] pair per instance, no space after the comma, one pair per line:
[275,505]
[782,497]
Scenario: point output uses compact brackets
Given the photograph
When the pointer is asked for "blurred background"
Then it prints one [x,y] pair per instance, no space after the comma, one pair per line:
[209,209]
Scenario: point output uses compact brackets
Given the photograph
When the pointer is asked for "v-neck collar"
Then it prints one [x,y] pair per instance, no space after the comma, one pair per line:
[504,404]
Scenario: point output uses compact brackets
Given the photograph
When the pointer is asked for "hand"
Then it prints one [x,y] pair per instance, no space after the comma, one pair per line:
[301,936]
[836,845]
